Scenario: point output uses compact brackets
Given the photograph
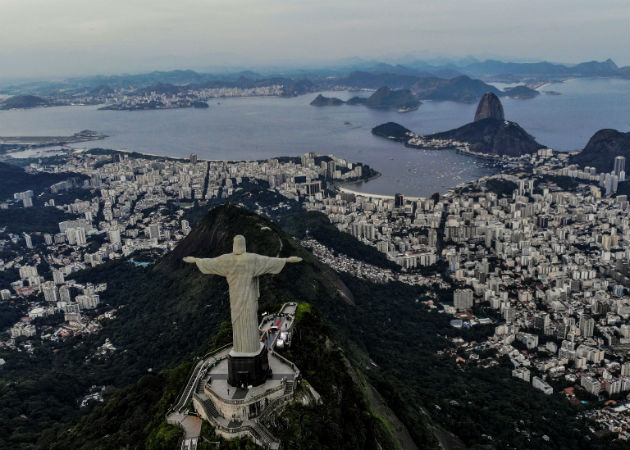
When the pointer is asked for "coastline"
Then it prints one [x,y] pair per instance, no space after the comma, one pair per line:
[413,199]
[350,183]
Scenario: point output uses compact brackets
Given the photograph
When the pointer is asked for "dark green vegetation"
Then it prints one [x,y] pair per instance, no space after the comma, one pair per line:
[320,100]
[357,101]
[383,98]
[14,179]
[8,314]
[501,187]
[68,196]
[179,311]
[401,337]
[386,98]
[122,421]
[602,148]
[563,182]
[623,188]
[494,137]
[169,313]
[317,225]
[44,219]
[347,421]
[392,131]
[522,92]
[23,101]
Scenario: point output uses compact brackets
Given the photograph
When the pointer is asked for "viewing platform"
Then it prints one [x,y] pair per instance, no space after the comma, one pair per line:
[238,411]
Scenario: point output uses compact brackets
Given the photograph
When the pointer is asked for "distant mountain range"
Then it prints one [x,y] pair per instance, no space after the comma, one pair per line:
[494,70]
[464,81]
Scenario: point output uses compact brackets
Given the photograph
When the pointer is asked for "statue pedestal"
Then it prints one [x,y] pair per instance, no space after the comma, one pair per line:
[248,369]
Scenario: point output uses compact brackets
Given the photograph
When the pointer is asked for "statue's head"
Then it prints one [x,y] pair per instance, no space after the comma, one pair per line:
[239,244]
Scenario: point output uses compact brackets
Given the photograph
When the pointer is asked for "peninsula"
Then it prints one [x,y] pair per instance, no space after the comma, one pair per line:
[488,134]
[18,143]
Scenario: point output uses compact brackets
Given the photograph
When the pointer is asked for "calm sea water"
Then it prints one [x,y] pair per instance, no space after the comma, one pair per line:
[263,127]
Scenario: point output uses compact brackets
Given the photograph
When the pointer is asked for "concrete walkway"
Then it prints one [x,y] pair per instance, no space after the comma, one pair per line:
[190,424]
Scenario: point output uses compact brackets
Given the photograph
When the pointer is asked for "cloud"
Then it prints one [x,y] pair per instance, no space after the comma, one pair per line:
[74,36]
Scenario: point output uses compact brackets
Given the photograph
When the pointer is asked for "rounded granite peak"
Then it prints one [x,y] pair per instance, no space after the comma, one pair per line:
[489,107]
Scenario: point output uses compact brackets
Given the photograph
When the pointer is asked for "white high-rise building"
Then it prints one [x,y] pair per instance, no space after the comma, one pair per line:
[58,277]
[587,325]
[64,294]
[620,165]
[27,272]
[51,294]
[76,236]
[154,231]
[114,236]
[185,226]
[90,301]
[28,241]
[463,299]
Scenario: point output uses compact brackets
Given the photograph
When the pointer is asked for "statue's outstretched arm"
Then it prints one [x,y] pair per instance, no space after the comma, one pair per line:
[294,259]
[211,266]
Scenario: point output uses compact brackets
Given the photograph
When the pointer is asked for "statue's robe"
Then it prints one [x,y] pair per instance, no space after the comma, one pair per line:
[242,272]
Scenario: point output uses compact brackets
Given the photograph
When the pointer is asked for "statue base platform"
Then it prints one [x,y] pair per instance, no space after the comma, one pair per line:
[238,411]
[248,370]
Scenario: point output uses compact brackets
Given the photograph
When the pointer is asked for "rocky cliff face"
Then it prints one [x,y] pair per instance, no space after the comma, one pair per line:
[489,108]
[602,148]
[493,137]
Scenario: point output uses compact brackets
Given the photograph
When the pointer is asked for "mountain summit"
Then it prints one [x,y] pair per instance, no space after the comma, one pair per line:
[602,148]
[489,107]
[491,134]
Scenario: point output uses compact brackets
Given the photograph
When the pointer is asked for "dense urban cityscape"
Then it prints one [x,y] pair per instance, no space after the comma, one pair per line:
[314,225]
[546,266]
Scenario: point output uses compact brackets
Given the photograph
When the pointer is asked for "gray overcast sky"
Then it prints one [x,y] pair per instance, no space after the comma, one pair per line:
[47,38]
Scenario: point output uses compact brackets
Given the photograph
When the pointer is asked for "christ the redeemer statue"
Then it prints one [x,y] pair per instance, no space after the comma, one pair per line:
[242,270]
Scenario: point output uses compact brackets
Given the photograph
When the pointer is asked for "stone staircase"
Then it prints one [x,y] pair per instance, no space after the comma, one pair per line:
[288,387]
[211,410]
[200,386]
[263,435]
